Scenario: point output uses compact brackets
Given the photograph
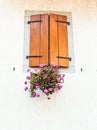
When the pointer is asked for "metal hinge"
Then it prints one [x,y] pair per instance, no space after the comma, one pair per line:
[34,21]
[68,58]
[27,57]
[63,22]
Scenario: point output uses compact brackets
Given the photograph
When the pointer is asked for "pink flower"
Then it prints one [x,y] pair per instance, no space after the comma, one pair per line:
[60,86]
[37,87]
[26,88]
[55,89]
[28,77]
[52,64]
[35,70]
[37,95]
[62,78]
[45,91]
[41,65]
[62,75]
[57,70]
[50,89]
[58,79]
[28,70]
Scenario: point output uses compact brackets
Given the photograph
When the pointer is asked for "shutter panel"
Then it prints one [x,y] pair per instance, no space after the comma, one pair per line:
[63,40]
[58,40]
[38,40]
[44,40]
[34,40]
[48,40]
[53,39]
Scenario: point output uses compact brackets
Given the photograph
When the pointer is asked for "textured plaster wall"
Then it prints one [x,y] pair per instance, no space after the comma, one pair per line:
[75,107]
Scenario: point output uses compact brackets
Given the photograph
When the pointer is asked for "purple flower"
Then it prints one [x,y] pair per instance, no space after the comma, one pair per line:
[41,65]
[37,95]
[57,70]
[35,70]
[34,95]
[37,87]
[45,91]
[28,77]
[62,75]
[26,88]
[60,86]
[52,64]
[50,89]
[28,70]
[55,89]
[62,78]
[25,82]
[58,79]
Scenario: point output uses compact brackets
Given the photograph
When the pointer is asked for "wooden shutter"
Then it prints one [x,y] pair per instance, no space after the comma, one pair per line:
[38,40]
[59,40]
[48,40]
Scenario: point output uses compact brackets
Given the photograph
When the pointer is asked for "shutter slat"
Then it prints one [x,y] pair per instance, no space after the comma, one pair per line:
[53,39]
[34,40]
[44,40]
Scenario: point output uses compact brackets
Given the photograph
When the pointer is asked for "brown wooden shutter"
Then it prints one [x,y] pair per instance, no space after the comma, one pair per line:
[58,40]
[38,40]
[48,40]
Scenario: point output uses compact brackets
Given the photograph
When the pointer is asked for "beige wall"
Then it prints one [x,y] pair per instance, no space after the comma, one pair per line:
[75,107]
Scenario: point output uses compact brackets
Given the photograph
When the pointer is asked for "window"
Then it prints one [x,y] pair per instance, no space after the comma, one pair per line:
[47,39]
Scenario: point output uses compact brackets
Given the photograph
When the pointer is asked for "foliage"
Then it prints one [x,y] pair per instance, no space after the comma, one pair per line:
[46,79]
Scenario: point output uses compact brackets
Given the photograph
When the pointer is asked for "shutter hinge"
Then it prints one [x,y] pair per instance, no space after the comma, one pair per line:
[68,23]
[27,57]
[68,58]
[34,21]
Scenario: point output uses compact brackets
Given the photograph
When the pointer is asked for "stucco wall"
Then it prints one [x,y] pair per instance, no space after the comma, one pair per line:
[75,107]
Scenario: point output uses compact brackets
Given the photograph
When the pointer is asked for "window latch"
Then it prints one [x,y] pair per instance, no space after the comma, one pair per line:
[68,58]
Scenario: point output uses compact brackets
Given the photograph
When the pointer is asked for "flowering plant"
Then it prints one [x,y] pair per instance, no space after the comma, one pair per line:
[46,79]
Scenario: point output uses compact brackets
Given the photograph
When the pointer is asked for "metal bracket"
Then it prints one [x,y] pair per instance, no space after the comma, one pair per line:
[68,23]
[34,21]
[68,58]
[27,57]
